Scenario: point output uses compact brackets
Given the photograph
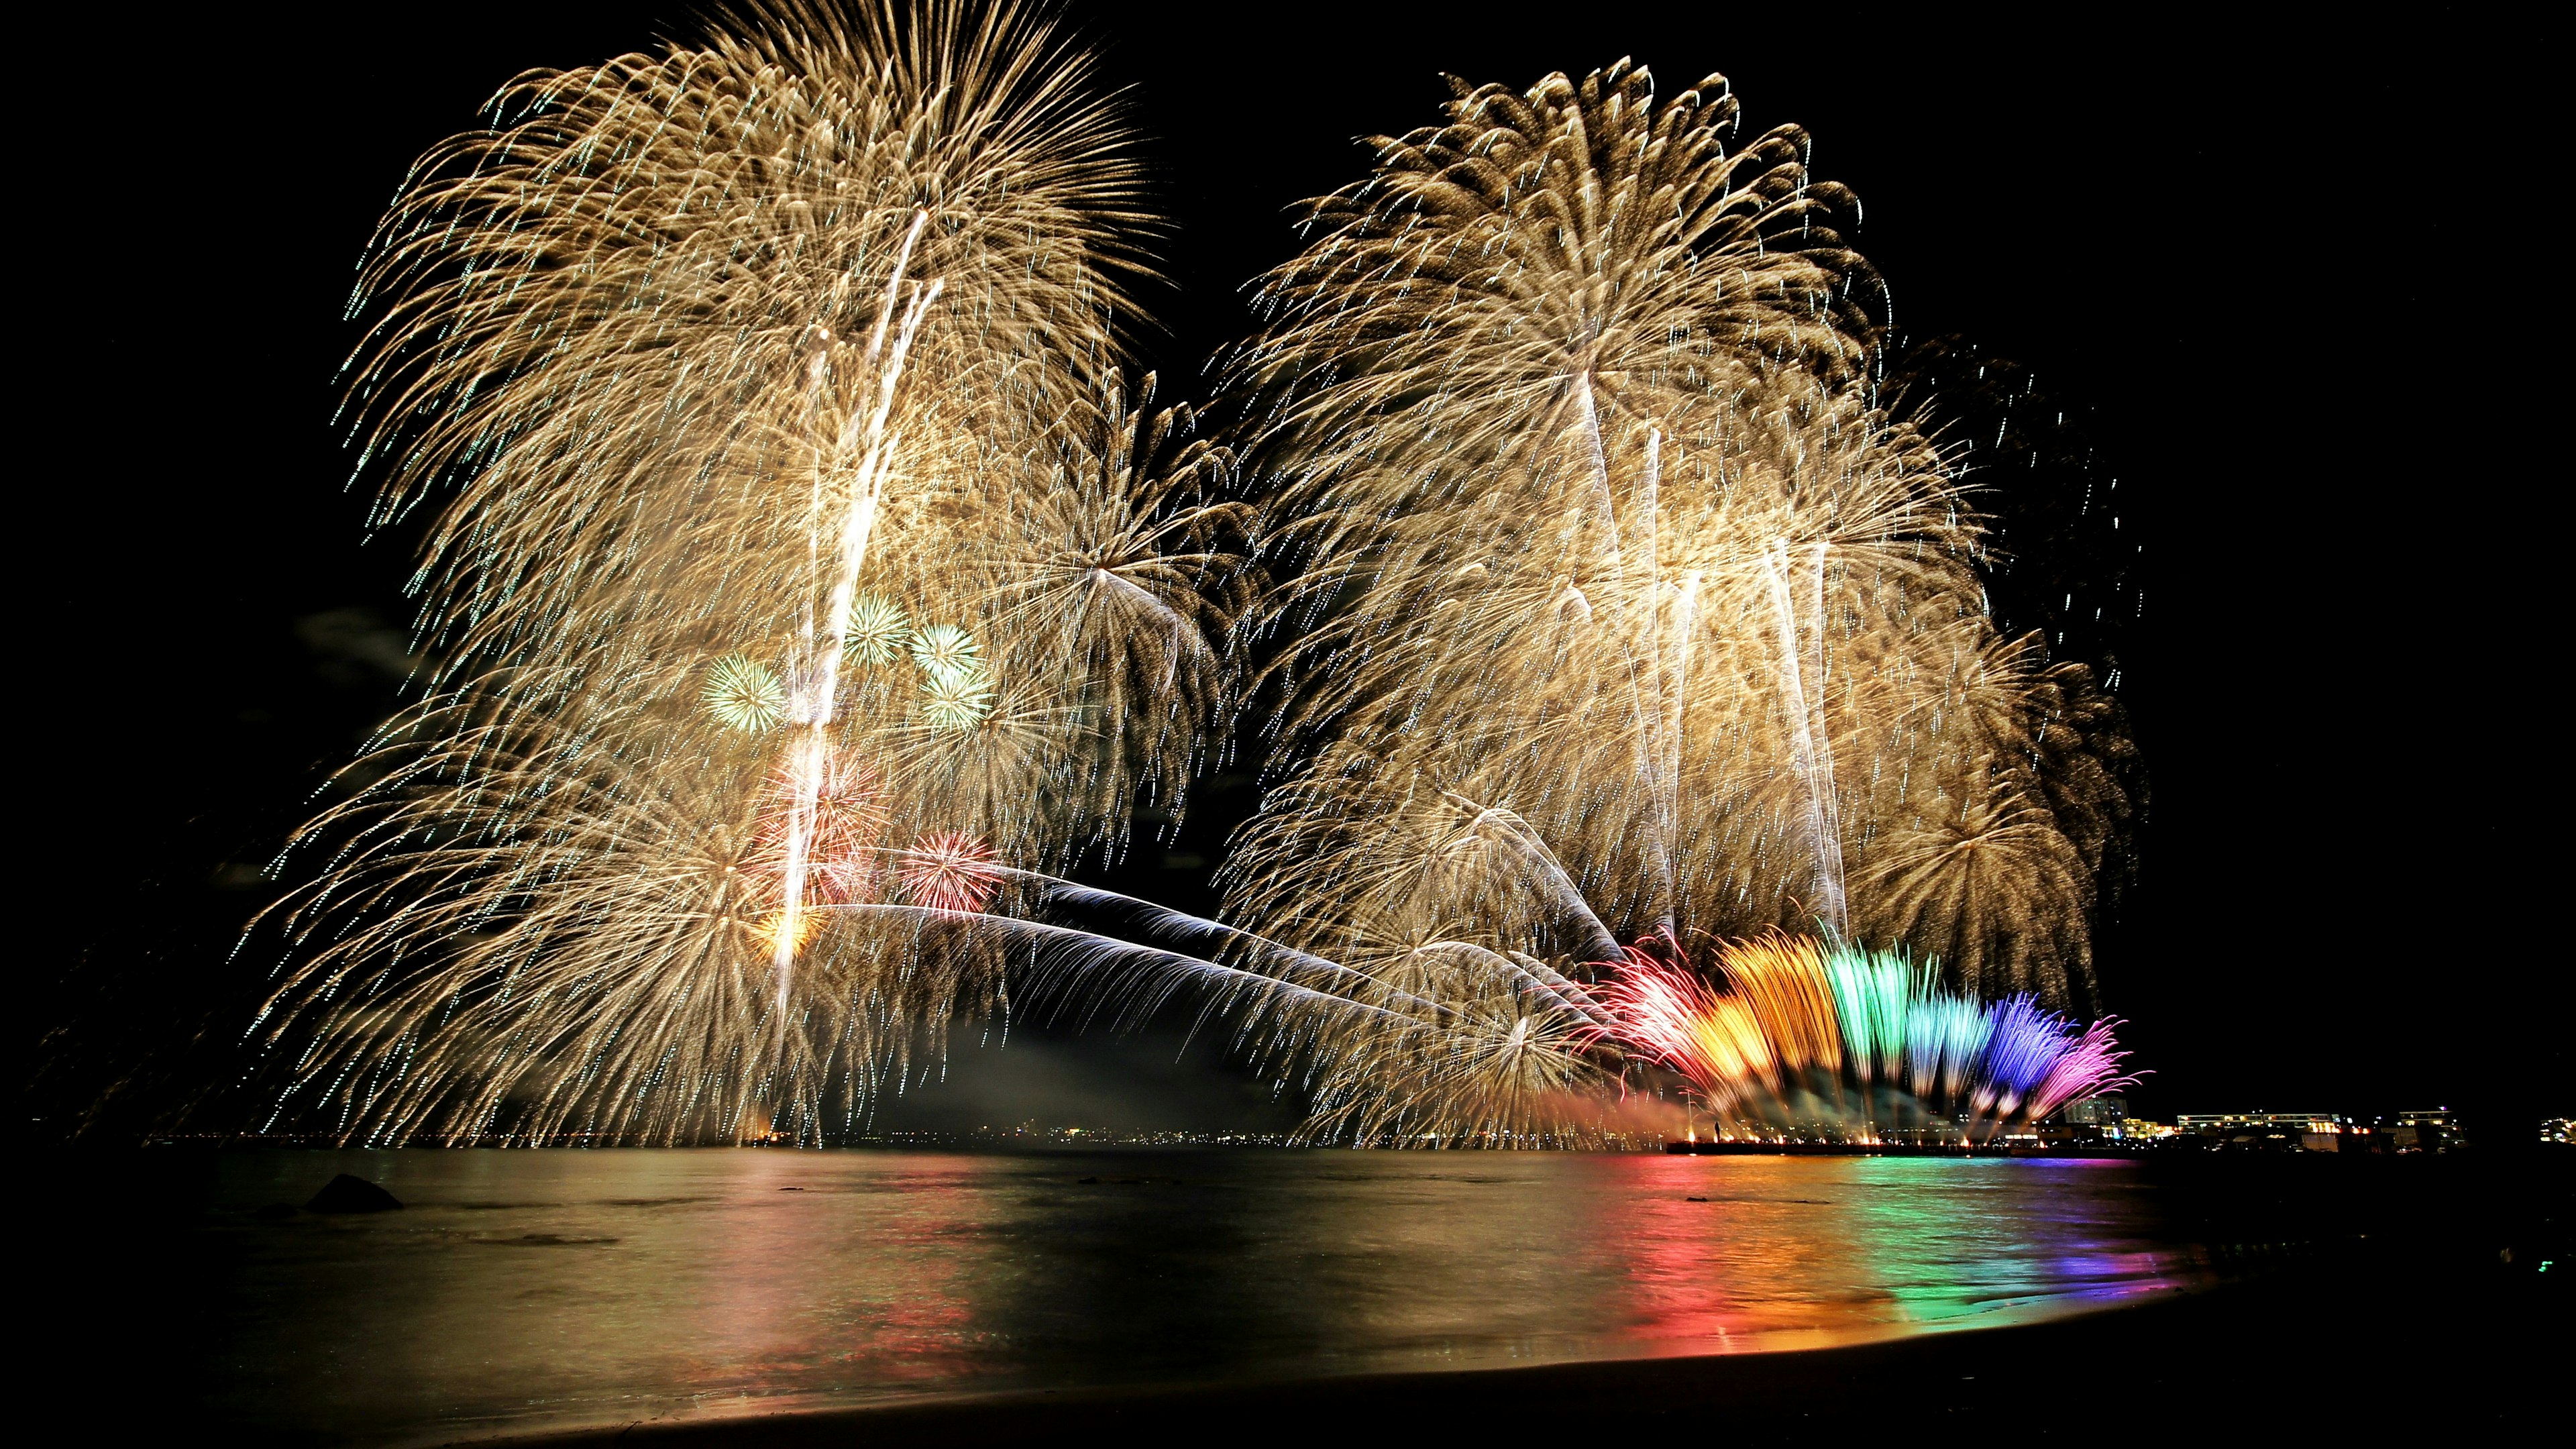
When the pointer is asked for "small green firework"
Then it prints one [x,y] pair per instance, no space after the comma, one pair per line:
[944,649]
[876,631]
[744,694]
[956,699]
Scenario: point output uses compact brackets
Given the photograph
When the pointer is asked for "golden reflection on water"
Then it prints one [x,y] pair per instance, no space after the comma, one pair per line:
[524,1290]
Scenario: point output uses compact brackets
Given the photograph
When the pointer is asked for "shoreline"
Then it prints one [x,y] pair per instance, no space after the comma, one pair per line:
[2349,1291]
[2364,1340]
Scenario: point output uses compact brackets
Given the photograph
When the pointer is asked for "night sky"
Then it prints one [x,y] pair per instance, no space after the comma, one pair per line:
[2282,285]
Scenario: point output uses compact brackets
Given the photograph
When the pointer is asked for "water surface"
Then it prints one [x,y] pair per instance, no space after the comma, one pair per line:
[529,1290]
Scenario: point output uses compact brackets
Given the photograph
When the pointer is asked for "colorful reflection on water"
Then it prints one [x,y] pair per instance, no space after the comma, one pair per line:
[527,1290]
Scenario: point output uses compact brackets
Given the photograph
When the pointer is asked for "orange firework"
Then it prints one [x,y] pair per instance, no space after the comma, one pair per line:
[1783,983]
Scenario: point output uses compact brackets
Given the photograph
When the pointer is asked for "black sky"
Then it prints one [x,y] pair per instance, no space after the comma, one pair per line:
[2289,285]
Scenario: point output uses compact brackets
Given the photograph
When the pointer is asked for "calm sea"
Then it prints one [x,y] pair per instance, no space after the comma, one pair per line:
[530,1290]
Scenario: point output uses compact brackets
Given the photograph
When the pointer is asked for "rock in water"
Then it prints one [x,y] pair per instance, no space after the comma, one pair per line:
[346,1194]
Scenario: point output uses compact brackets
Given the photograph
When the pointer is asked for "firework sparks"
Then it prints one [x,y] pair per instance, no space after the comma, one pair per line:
[1588,518]
[846,817]
[1804,1014]
[875,632]
[944,651]
[809,511]
[956,700]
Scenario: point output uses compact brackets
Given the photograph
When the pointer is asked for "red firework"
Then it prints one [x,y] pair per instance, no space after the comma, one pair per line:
[949,871]
[840,849]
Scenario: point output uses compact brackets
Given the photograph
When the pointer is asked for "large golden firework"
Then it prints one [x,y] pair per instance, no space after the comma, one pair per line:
[1619,608]
[768,390]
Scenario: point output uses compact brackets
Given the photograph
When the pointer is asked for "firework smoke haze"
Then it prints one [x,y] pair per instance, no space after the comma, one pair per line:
[792,506]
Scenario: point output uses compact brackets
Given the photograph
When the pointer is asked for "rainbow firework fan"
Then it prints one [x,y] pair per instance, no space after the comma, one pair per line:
[1805,1031]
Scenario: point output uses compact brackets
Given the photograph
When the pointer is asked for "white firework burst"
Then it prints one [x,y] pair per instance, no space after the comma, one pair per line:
[876,632]
[744,694]
[944,649]
[956,699]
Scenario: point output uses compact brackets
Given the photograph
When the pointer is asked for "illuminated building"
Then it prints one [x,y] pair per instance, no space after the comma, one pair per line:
[2107,1111]
[2324,1122]
[2278,1131]
[2432,1129]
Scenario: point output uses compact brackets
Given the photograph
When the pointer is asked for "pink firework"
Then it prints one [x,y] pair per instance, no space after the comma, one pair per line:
[1666,1011]
[2085,1066]
[949,871]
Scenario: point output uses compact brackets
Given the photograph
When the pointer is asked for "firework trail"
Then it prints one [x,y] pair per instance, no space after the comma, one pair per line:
[790,504]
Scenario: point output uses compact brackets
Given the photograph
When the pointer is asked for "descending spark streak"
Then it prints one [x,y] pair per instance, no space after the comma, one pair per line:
[1810,751]
[1165,917]
[1562,892]
[822,661]
[1651,677]
[1096,952]
[1684,612]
